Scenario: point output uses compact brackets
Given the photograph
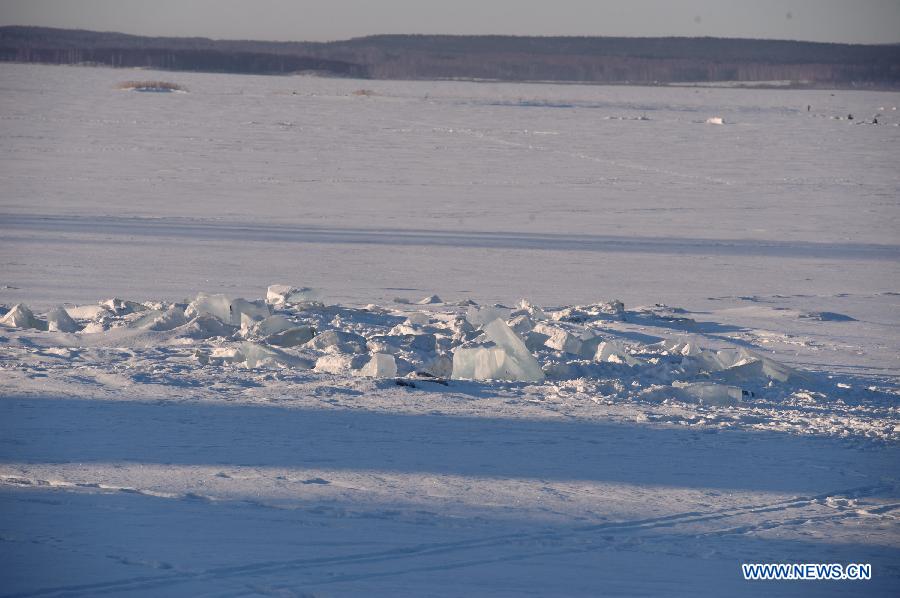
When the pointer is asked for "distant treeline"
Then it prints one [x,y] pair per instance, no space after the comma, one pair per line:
[578,59]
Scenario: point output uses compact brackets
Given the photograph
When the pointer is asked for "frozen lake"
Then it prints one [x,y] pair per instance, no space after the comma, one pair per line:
[135,467]
[492,190]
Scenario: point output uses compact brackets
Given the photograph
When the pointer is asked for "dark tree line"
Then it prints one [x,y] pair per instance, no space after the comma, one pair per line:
[214,61]
[584,59]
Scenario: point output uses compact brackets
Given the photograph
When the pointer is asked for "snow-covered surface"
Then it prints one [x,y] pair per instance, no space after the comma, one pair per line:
[740,404]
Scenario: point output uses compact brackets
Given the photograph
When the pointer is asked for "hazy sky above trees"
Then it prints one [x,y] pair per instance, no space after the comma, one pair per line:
[856,21]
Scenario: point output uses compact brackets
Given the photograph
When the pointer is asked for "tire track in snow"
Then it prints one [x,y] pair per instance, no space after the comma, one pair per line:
[578,155]
[442,548]
[605,544]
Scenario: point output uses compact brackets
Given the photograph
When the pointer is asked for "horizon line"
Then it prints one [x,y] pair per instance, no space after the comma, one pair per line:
[457,35]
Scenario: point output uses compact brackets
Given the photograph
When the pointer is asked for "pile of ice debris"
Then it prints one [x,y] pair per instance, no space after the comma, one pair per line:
[293,328]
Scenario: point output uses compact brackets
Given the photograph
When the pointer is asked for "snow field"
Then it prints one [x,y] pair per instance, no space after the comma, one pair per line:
[412,428]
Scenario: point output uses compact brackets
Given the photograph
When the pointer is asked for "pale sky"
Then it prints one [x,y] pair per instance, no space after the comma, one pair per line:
[855,21]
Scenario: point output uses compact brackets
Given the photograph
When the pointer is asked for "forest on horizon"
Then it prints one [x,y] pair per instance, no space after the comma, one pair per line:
[506,58]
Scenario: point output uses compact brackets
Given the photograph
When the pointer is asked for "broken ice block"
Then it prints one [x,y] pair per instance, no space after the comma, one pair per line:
[739,364]
[590,340]
[402,329]
[292,337]
[158,319]
[532,310]
[680,345]
[258,355]
[254,310]
[510,342]
[94,328]
[252,355]
[535,340]
[219,355]
[464,359]
[614,352]
[508,360]
[58,320]
[479,317]
[615,306]
[22,317]
[470,363]
[278,293]
[121,307]
[559,339]
[776,371]
[708,393]
[217,306]
[338,340]
[432,300]
[265,327]
[439,367]
[228,310]
[204,327]
[564,370]
[418,318]
[492,363]
[426,343]
[521,324]
[276,330]
[489,363]
[281,294]
[87,312]
[339,363]
[397,343]
[382,365]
